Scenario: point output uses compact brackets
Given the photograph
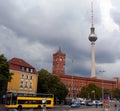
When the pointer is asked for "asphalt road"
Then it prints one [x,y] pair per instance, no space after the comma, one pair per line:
[68,108]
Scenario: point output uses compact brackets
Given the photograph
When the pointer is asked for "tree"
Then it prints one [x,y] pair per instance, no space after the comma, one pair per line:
[91,91]
[5,76]
[84,92]
[116,93]
[49,83]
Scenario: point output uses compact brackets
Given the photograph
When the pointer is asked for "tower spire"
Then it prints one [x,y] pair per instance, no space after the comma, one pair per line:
[92,38]
[92,14]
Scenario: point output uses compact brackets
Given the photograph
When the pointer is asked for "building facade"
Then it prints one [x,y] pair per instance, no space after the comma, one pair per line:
[24,78]
[75,83]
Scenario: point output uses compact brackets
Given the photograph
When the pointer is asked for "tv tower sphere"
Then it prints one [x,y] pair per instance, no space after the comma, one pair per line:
[92,36]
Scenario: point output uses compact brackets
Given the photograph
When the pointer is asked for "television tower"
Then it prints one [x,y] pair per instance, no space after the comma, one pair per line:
[92,38]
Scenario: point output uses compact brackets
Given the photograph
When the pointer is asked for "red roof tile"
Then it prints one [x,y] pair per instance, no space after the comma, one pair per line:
[15,62]
[21,62]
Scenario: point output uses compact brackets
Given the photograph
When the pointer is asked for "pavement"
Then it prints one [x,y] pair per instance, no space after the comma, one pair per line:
[2,107]
[94,109]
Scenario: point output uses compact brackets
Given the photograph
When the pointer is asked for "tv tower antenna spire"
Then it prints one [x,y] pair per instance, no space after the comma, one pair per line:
[92,13]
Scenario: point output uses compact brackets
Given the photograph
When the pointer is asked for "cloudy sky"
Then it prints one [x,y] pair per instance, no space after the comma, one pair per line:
[35,29]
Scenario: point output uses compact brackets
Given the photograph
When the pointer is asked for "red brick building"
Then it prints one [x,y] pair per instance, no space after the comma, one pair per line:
[75,83]
[59,63]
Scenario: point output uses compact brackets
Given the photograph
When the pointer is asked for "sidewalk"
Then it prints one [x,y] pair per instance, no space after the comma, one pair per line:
[94,109]
[2,107]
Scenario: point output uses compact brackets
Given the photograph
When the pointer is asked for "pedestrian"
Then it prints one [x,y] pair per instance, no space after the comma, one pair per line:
[96,105]
[115,106]
[44,107]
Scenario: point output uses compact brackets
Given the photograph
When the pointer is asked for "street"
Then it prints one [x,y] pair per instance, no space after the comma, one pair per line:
[68,108]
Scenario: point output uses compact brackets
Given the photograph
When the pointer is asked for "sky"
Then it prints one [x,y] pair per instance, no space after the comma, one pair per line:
[35,29]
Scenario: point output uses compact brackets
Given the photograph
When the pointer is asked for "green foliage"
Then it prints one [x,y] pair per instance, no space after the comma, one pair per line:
[91,91]
[4,69]
[49,83]
[115,93]
[95,92]
[83,92]
[5,76]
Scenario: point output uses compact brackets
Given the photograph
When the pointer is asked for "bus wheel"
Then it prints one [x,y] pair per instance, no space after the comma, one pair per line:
[19,108]
[39,107]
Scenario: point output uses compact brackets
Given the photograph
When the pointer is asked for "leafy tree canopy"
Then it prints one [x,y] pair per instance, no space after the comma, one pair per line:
[4,69]
[5,76]
[115,93]
[91,91]
[49,83]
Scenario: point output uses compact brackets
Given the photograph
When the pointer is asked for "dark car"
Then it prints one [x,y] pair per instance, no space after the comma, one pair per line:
[74,105]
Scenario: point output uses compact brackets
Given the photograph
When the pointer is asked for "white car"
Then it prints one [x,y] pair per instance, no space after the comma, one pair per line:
[83,102]
[97,102]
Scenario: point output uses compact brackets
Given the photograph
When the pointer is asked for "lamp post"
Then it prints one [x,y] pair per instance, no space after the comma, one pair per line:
[88,95]
[93,91]
[72,82]
[102,71]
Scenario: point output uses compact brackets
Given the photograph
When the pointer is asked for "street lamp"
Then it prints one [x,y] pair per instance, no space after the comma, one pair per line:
[102,71]
[93,91]
[72,82]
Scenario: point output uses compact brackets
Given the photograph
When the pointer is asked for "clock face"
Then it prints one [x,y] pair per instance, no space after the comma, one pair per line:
[60,59]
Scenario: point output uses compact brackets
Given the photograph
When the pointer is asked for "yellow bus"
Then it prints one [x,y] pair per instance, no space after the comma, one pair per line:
[20,100]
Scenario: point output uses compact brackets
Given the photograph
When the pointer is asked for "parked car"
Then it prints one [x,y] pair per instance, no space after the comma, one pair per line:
[97,103]
[90,103]
[83,102]
[74,105]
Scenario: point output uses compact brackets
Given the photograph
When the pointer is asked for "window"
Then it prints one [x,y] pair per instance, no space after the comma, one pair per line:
[30,85]
[26,76]
[23,68]
[26,84]
[21,84]
[27,69]
[31,70]
[22,76]
[31,77]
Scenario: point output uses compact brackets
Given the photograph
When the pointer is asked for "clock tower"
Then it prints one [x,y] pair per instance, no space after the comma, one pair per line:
[59,63]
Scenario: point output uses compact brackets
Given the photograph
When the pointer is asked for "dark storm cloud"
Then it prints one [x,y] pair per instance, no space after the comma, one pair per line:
[42,26]
[39,22]
[115,12]
[106,47]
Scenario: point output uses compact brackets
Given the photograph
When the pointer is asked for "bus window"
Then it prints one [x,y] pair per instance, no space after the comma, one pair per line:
[23,101]
[8,99]
[14,99]
[48,102]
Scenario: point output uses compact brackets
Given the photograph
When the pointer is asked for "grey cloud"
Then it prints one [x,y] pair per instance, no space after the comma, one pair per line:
[115,12]
[42,26]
